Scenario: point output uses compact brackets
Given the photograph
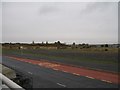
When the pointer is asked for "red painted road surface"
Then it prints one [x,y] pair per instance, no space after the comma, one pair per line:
[93,74]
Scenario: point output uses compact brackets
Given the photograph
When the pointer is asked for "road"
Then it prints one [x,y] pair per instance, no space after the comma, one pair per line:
[92,65]
[48,78]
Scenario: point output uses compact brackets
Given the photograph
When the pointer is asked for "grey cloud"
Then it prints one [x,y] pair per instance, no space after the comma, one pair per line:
[95,6]
[48,8]
[60,21]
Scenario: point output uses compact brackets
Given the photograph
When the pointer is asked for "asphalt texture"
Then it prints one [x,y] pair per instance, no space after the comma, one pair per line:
[48,78]
[92,65]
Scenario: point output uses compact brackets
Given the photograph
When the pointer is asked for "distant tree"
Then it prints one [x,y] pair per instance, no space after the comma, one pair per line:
[83,44]
[58,42]
[33,42]
[102,45]
[42,42]
[106,45]
[46,42]
[73,44]
[87,46]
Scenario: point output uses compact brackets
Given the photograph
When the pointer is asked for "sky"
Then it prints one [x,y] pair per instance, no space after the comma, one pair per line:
[68,22]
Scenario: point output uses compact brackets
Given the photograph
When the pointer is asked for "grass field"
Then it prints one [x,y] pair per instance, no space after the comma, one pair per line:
[84,55]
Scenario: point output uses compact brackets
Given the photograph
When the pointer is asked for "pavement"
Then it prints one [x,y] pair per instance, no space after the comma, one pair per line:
[43,77]
[8,72]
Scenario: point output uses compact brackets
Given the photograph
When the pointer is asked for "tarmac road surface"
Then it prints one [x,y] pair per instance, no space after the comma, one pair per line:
[93,65]
[43,77]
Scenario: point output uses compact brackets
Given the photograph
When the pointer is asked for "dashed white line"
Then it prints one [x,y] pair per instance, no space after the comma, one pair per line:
[29,72]
[90,77]
[55,69]
[76,74]
[61,85]
[106,81]
[103,80]
[65,71]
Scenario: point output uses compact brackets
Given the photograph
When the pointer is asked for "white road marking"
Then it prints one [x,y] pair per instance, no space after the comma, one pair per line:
[61,85]
[29,72]
[76,74]
[103,80]
[106,81]
[90,77]
[65,71]
[55,69]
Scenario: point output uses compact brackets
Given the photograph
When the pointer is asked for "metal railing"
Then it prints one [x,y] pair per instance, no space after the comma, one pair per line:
[12,85]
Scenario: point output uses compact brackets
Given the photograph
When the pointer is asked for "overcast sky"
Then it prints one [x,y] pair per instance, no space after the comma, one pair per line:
[80,22]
